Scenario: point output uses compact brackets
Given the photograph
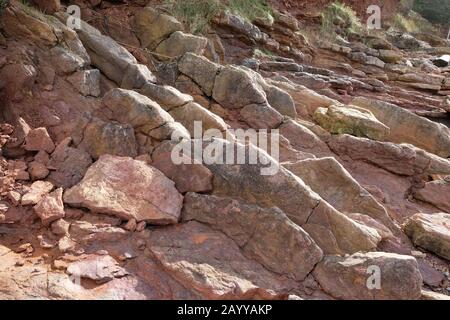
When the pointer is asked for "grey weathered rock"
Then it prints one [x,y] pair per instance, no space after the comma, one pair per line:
[199,69]
[168,97]
[142,113]
[403,159]
[136,76]
[350,277]
[178,44]
[407,127]
[152,27]
[113,138]
[87,82]
[106,54]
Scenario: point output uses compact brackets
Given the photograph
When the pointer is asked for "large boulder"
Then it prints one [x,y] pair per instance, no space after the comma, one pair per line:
[431,232]
[403,159]
[267,235]
[407,127]
[152,27]
[261,116]
[128,189]
[351,120]
[355,276]
[212,264]
[437,193]
[178,44]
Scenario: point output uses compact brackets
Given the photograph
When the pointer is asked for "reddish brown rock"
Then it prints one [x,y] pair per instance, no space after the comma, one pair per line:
[51,207]
[128,189]
[37,190]
[38,139]
[37,170]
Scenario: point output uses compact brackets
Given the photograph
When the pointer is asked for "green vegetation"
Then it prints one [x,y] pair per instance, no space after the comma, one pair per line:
[196,14]
[436,11]
[339,19]
[3,4]
[251,9]
[412,22]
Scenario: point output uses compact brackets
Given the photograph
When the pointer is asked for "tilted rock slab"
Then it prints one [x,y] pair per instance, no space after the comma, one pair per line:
[212,265]
[403,159]
[407,127]
[128,189]
[334,184]
[266,235]
[431,232]
[348,277]
[143,114]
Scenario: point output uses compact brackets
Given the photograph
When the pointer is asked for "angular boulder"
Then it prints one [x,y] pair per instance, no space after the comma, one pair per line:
[128,189]
[105,53]
[142,113]
[199,69]
[431,232]
[437,193]
[187,177]
[68,164]
[51,207]
[351,120]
